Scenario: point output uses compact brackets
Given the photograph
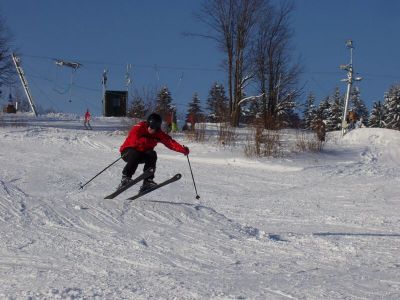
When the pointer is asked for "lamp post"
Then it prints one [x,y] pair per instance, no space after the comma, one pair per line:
[349,80]
[104,85]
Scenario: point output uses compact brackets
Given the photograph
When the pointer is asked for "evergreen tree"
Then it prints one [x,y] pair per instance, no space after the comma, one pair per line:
[336,111]
[329,111]
[137,108]
[392,108]
[357,105]
[164,103]
[309,111]
[217,103]
[377,115]
[255,109]
[318,117]
[324,109]
[285,111]
[194,112]
[293,119]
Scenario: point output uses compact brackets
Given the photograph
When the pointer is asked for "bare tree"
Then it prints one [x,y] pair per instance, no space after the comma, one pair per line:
[7,72]
[274,70]
[248,13]
[232,23]
[218,15]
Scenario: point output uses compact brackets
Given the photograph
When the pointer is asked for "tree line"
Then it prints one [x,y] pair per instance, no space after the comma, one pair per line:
[256,39]
[143,102]
[384,114]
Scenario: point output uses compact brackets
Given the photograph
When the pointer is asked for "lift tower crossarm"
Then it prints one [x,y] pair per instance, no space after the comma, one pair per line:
[62,63]
[17,63]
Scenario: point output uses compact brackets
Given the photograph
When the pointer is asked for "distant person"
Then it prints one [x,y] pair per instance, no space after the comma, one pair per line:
[320,130]
[185,127]
[352,120]
[138,148]
[86,123]
[359,123]
[168,123]
[166,127]
[174,127]
[192,121]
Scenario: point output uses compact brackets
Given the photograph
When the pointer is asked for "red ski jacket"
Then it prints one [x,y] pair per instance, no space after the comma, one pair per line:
[140,139]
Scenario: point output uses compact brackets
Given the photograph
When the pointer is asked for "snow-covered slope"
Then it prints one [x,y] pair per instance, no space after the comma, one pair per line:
[309,226]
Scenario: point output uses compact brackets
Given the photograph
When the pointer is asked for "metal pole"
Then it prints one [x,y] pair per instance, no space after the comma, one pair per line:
[21,75]
[190,167]
[349,80]
[104,84]
[70,85]
[82,185]
[349,83]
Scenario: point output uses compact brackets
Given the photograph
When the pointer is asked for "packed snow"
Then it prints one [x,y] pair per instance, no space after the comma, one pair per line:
[304,226]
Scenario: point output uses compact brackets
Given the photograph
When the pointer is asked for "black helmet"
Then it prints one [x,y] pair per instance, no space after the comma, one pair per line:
[154,120]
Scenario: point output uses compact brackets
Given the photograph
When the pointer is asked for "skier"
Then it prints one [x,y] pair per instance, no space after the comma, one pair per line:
[86,123]
[138,148]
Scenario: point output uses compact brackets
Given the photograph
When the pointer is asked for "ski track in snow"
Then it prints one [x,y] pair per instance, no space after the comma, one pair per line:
[310,226]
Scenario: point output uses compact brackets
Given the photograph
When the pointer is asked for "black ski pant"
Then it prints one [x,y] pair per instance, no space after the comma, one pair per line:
[133,158]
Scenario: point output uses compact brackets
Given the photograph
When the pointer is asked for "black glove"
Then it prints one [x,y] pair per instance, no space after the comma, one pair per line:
[186,150]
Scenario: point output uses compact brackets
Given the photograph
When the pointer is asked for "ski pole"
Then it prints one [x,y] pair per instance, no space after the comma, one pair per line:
[82,185]
[190,167]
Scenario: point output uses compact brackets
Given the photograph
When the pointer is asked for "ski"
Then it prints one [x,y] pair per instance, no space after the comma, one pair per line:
[144,175]
[168,181]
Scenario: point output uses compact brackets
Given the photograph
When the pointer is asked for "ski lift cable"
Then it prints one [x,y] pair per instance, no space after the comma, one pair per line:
[179,87]
[56,77]
[93,62]
[50,80]
[74,66]
[56,87]
[89,103]
[35,74]
[180,80]
[157,73]
[32,73]
[44,93]
[32,70]
[318,85]
[87,88]
[46,79]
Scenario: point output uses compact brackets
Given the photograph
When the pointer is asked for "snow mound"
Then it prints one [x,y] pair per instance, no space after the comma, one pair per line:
[373,136]
[197,219]
[378,144]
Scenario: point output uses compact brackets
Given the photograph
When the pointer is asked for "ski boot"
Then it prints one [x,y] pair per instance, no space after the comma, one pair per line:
[124,181]
[147,184]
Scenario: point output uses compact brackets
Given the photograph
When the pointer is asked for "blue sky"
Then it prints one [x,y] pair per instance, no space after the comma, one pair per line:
[148,34]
